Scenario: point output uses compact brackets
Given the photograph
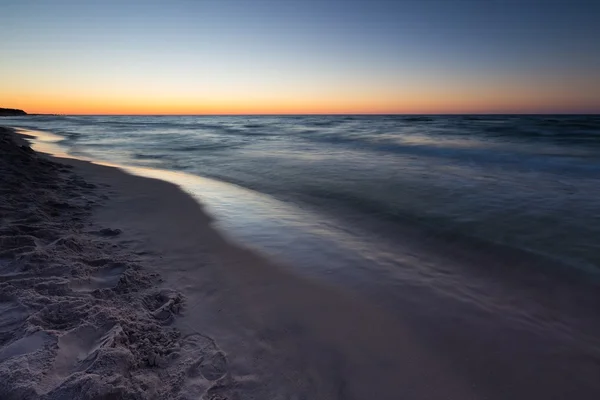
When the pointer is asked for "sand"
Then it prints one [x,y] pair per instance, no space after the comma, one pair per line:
[80,317]
[114,286]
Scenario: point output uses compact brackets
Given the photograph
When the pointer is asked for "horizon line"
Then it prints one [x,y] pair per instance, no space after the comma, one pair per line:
[314,114]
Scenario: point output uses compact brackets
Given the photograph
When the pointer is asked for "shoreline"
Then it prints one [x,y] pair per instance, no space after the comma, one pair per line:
[344,214]
[248,328]
[80,314]
[179,234]
[329,314]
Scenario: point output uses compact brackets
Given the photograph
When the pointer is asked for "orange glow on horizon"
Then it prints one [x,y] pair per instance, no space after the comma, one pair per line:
[75,105]
[211,57]
[437,97]
[118,92]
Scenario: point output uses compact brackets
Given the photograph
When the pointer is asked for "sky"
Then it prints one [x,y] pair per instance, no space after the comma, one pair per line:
[300,57]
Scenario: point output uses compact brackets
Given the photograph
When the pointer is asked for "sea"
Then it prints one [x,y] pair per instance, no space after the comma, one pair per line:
[460,204]
[480,234]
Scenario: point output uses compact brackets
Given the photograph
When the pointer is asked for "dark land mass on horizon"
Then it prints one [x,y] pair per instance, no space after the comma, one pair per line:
[11,112]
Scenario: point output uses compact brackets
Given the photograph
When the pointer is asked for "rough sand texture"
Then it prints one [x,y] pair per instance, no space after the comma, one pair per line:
[79,315]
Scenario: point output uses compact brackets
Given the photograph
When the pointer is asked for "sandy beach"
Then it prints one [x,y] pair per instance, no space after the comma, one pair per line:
[115,286]
[118,286]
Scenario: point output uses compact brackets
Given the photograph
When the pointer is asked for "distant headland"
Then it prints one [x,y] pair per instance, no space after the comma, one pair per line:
[11,112]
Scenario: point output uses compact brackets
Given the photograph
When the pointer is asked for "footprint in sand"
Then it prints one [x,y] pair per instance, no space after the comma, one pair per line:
[78,351]
[103,279]
[203,364]
[26,345]
[213,366]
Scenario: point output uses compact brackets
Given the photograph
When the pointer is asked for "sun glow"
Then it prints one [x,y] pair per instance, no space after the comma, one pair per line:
[226,58]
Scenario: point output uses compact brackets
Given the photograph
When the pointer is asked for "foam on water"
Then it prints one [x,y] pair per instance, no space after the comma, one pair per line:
[528,182]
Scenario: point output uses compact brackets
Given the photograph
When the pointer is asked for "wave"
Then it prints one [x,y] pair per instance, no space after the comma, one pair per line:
[490,169]
[419,118]
[205,146]
[144,156]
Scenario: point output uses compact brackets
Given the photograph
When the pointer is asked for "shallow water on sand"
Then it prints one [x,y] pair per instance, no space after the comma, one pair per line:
[473,299]
[526,182]
[387,257]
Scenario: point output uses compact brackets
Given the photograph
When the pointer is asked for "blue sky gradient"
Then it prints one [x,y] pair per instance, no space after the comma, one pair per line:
[301,56]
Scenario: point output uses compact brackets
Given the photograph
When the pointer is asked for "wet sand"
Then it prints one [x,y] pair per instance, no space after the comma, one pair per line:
[119,285]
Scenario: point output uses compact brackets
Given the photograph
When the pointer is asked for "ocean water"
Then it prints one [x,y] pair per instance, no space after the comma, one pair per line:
[480,234]
[525,182]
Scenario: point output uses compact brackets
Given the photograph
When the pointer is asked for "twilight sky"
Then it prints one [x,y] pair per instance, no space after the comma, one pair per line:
[292,56]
